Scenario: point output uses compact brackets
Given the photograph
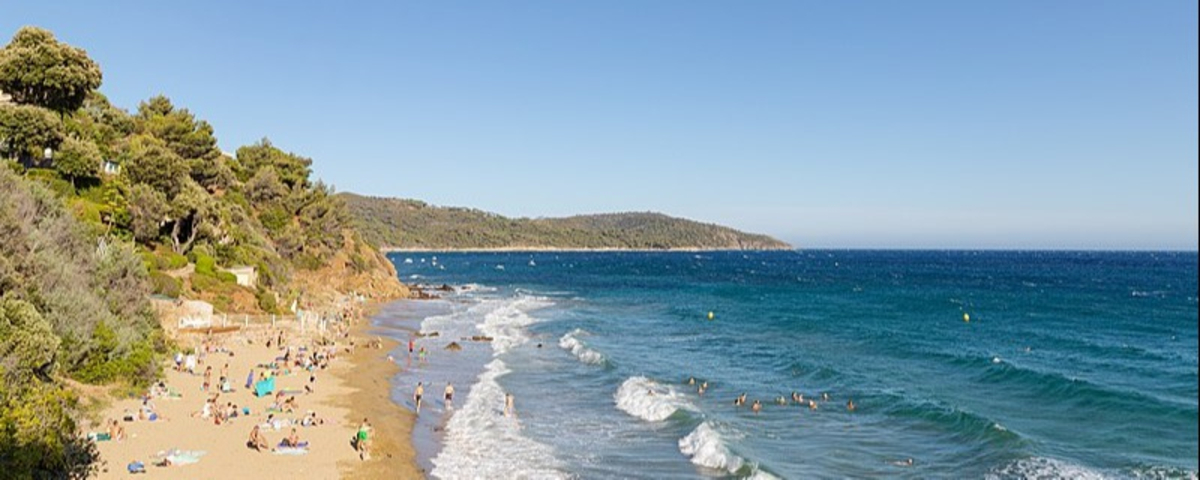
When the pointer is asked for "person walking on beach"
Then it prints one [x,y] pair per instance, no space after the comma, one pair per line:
[410,345]
[449,397]
[362,440]
[509,409]
[417,394]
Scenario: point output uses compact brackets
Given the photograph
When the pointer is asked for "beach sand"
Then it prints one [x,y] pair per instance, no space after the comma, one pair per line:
[355,385]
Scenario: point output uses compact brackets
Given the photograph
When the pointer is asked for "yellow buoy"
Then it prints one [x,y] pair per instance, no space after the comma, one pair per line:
[966,317]
[710,315]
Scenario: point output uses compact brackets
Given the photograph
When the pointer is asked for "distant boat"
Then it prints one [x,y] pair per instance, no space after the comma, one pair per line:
[532,263]
[499,267]
[408,260]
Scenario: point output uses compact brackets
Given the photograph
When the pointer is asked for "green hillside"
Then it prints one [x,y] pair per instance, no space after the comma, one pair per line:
[402,223]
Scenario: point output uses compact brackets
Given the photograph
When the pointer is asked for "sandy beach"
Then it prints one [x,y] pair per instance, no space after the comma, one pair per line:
[353,386]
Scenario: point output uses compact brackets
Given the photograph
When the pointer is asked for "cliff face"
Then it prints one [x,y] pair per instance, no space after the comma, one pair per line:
[357,268]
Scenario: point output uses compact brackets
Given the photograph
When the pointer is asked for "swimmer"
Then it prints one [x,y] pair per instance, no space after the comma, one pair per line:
[812,404]
[850,405]
[509,410]
[700,391]
[908,462]
[756,407]
[796,398]
[449,393]
[781,400]
[417,394]
[691,381]
[824,397]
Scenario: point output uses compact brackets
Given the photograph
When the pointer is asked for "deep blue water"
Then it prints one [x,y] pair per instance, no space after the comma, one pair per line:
[1073,364]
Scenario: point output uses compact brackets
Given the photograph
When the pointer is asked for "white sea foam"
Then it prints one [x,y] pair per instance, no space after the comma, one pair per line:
[507,321]
[1043,468]
[647,400]
[705,446]
[480,441]
[483,443]
[573,344]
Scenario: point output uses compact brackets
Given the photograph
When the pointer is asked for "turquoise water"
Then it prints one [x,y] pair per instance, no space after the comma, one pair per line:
[1073,364]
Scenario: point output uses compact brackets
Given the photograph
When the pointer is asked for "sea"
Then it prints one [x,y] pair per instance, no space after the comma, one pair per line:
[960,364]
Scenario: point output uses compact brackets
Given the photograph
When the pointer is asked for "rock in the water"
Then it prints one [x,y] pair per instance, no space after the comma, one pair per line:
[481,338]
[454,346]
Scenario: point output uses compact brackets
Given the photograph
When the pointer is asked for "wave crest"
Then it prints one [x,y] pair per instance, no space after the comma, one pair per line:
[571,342]
[647,400]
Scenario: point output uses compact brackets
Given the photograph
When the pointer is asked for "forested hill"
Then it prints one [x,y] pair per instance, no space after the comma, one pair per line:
[402,223]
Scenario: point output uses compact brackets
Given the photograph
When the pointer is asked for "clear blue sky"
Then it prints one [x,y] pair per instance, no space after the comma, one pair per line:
[1012,124]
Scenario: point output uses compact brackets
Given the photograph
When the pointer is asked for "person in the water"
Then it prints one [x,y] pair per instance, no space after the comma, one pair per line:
[850,405]
[691,381]
[756,407]
[417,394]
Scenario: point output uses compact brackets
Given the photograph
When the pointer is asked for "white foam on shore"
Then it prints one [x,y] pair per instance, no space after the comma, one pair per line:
[706,447]
[506,323]
[571,343]
[481,442]
[647,400]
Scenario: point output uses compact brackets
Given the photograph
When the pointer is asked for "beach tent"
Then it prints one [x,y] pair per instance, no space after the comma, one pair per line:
[264,387]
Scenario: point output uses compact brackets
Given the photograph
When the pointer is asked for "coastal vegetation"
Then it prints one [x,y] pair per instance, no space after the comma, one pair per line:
[403,223]
[101,210]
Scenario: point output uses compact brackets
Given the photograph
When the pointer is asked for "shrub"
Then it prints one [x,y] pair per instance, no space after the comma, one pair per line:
[164,284]
[266,301]
[175,261]
[226,277]
[205,265]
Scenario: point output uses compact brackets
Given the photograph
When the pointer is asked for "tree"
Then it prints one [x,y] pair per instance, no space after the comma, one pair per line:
[37,69]
[147,210]
[24,127]
[292,169]
[77,158]
[148,161]
[188,137]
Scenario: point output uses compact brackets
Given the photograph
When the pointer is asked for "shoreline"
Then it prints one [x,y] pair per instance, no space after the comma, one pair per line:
[387,250]
[371,376]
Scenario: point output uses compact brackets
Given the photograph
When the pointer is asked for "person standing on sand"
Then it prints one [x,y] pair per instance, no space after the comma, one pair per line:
[449,394]
[417,394]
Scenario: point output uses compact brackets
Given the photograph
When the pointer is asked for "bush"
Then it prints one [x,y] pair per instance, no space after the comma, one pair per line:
[266,301]
[164,284]
[226,277]
[50,178]
[205,265]
[175,261]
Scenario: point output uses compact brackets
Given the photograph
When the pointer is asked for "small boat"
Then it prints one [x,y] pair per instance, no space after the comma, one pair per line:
[408,260]
[532,263]
[499,267]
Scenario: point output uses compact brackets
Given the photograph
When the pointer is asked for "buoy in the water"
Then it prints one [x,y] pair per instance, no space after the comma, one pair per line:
[710,315]
[966,317]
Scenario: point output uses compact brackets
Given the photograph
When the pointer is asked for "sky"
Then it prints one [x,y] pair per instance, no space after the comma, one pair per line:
[1067,124]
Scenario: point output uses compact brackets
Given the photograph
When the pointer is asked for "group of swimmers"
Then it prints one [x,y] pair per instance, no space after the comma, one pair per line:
[756,405]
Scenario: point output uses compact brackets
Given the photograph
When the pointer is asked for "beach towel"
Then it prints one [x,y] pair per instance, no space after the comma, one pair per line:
[300,445]
[264,387]
[136,467]
[99,436]
[182,457]
[293,450]
[249,379]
